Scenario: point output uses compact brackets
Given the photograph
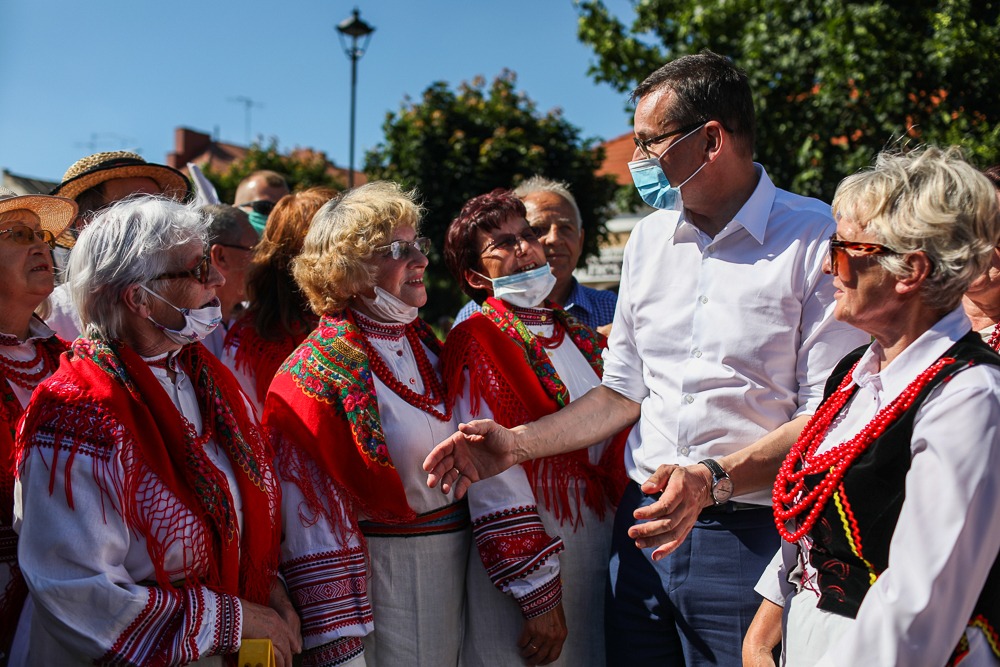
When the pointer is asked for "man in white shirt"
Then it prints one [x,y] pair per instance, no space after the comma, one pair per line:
[722,340]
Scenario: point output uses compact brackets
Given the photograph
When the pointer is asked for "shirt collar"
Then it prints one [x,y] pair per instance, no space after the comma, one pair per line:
[912,361]
[578,298]
[37,331]
[752,216]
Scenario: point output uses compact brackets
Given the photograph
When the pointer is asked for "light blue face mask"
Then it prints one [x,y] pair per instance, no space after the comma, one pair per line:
[652,183]
[527,289]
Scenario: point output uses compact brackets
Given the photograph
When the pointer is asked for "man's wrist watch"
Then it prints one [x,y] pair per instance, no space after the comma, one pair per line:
[722,486]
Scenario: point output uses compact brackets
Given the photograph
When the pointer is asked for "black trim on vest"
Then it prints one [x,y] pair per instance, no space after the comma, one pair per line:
[873,489]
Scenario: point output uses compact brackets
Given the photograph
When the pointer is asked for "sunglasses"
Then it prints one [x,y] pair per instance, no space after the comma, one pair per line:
[401,249]
[262,206]
[200,272]
[856,248]
[508,242]
[24,235]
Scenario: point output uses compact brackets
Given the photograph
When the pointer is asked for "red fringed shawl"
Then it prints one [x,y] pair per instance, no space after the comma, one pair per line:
[510,370]
[322,404]
[107,394]
[257,356]
[13,596]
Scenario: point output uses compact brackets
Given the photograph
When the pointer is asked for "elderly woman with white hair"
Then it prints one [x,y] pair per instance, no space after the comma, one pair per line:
[146,499]
[375,561]
[887,502]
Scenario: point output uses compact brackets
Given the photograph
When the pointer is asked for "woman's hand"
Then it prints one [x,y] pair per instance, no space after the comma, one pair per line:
[542,638]
[281,603]
[260,622]
[763,636]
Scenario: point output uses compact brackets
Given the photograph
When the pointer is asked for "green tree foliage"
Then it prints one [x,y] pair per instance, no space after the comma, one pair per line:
[302,168]
[833,81]
[454,145]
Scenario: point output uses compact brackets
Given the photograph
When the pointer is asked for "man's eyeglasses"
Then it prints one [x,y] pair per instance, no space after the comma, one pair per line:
[644,144]
[856,248]
[200,272]
[23,235]
[262,206]
[508,242]
[248,248]
[401,249]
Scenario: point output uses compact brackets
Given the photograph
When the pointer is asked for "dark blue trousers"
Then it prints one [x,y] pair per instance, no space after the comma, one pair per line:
[694,606]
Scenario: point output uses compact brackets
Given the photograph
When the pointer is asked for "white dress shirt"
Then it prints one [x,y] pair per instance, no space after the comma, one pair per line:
[948,534]
[722,340]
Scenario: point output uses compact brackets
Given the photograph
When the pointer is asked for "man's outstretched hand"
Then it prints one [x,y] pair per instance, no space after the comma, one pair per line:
[478,450]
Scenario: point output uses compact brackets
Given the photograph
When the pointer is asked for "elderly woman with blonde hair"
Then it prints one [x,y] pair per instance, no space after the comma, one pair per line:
[352,413]
[146,499]
[887,502]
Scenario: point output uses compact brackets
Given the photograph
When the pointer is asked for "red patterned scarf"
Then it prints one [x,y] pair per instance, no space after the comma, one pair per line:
[322,403]
[111,381]
[257,356]
[13,596]
[510,370]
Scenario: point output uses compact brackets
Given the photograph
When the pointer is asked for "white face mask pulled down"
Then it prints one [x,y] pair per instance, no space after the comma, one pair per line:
[388,308]
[524,290]
[198,322]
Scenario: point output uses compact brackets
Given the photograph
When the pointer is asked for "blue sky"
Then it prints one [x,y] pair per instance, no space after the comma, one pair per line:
[80,77]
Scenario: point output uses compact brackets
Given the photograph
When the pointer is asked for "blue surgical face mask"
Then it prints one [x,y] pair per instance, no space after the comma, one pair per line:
[652,183]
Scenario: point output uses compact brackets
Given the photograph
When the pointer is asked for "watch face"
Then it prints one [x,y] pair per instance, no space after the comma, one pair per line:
[722,490]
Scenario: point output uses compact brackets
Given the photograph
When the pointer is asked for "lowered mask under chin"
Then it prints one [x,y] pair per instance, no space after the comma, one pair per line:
[386,307]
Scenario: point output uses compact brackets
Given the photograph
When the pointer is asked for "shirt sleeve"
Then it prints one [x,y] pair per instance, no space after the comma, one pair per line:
[948,534]
[623,368]
[81,565]
[519,556]
[324,564]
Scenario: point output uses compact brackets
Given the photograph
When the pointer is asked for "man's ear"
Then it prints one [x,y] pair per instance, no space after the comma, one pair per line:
[218,254]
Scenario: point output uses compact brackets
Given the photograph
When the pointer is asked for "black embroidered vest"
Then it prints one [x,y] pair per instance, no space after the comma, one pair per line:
[873,491]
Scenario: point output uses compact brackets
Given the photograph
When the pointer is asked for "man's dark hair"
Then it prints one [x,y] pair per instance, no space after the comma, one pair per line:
[706,86]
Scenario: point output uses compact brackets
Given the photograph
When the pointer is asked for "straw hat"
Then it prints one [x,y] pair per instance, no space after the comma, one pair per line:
[100,167]
[55,212]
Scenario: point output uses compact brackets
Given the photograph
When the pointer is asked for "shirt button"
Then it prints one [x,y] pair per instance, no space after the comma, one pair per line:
[703,299]
[413,380]
[711,250]
[697,353]
[683,451]
[688,398]
[399,353]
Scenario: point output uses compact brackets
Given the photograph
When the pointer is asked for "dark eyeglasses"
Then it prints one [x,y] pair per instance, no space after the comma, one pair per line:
[24,235]
[248,248]
[857,248]
[262,206]
[401,249]
[644,144]
[508,242]
[200,272]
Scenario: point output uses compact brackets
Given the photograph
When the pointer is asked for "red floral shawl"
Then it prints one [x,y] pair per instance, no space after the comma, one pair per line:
[100,385]
[510,370]
[13,596]
[322,404]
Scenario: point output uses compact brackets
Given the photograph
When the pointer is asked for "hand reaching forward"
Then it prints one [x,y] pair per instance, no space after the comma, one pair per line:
[478,450]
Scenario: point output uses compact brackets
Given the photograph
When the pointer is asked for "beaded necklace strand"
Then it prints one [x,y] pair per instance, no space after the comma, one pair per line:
[792,500]
[433,388]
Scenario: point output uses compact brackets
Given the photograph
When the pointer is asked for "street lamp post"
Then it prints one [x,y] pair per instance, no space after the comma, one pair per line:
[356,29]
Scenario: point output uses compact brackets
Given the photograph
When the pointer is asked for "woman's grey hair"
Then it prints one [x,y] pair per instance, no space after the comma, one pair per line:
[127,244]
[929,200]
